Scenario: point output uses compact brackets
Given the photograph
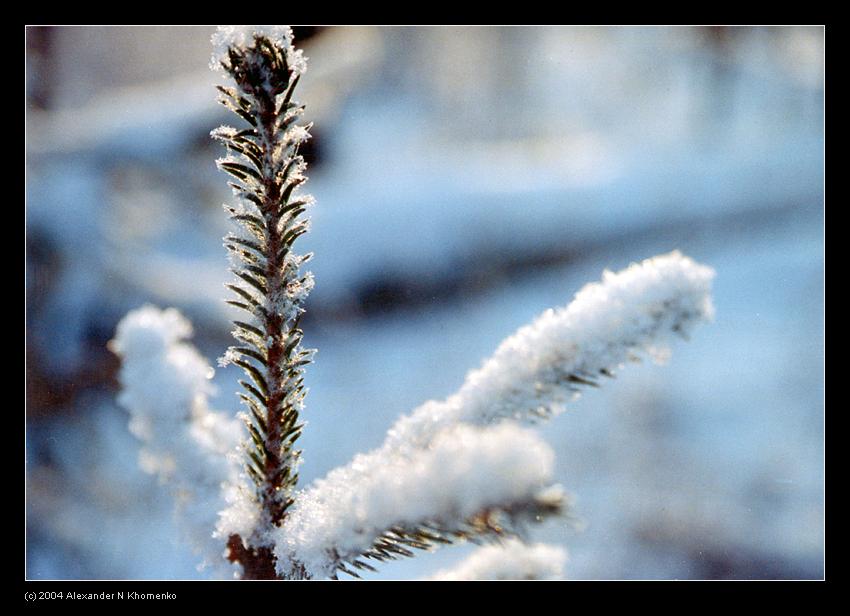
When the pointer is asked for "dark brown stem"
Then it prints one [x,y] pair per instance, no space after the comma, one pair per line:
[274,322]
[257,564]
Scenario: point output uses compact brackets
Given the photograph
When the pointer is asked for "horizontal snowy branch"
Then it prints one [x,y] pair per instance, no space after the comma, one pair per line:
[466,470]
[537,370]
[509,560]
[165,387]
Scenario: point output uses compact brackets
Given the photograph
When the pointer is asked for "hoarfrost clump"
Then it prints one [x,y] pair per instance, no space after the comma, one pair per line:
[241,516]
[510,560]
[235,37]
[165,387]
[466,469]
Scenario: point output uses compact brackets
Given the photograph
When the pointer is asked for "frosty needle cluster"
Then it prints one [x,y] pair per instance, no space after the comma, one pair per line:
[461,468]
[267,171]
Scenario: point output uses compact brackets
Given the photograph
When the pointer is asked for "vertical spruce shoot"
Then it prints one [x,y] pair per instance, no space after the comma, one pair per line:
[267,172]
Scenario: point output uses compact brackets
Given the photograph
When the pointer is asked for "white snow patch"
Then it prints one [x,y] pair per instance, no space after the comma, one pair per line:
[165,387]
[510,560]
[465,470]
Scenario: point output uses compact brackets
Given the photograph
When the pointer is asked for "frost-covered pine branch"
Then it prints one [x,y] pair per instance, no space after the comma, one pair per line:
[406,493]
[469,483]
[463,468]
[262,157]
[537,370]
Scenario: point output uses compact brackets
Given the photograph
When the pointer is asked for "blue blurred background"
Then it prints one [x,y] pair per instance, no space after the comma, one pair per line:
[466,179]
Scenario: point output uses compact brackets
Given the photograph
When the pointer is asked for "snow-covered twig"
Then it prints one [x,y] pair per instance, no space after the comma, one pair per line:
[541,367]
[165,386]
[267,172]
[441,491]
[530,376]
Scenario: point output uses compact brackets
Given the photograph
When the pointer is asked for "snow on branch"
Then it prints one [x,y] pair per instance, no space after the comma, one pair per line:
[438,469]
[165,387]
[509,560]
[267,175]
[538,369]
[423,495]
